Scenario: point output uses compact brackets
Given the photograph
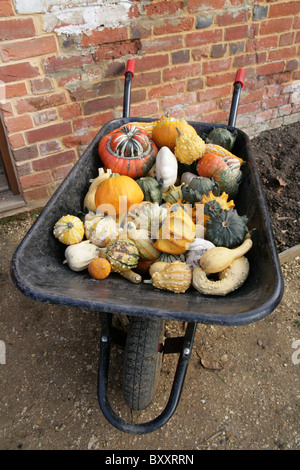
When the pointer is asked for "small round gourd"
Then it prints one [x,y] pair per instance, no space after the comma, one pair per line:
[122,254]
[99,268]
[69,230]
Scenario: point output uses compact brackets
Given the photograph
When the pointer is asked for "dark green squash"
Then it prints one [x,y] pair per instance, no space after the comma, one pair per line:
[222,136]
[226,228]
[197,187]
[151,188]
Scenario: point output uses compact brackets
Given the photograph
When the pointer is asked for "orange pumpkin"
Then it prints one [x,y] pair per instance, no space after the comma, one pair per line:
[128,151]
[117,194]
[212,165]
[166,130]
[99,268]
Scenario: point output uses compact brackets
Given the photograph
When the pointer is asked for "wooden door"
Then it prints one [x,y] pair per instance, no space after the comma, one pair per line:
[8,180]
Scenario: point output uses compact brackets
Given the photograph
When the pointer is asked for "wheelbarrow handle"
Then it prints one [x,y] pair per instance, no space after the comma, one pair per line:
[238,85]
[129,74]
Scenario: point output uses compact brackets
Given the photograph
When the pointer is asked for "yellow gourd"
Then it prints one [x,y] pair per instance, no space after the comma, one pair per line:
[189,148]
[218,258]
[69,230]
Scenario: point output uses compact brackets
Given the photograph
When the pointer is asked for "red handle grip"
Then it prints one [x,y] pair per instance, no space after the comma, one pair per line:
[240,75]
[130,67]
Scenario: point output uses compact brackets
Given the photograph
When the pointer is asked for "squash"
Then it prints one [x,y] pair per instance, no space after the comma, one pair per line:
[165,132]
[143,242]
[226,228]
[230,279]
[194,191]
[146,126]
[104,232]
[69,230]
[175,277]
[187,177]
[122,254]
[223,137]
[151,188]
[79,256]
[221,201]
[166,167]
[211,165]
[197,248]
[148,216]
[89,199]
[99,268]
[218,258]
[173,195]
[188,148]
[233,162]
[117,194]
[128,151]
[176,233]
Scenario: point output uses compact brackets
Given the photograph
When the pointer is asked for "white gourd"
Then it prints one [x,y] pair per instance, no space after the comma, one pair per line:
[166,167]
[80,255]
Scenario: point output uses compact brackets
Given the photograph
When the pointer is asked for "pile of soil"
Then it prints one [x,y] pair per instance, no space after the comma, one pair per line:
[277,155]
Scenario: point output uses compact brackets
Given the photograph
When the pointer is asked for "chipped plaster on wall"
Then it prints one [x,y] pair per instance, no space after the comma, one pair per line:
[69,17]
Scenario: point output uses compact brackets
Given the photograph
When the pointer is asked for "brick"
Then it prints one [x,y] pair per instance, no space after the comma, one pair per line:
[286,39]
[220,79]
[201,52]
[270,68]
[116,50]
[236,32]
[151,62]
[204,21]
[215,66]
[6,8]
[274,102]
[226,19]
[173,26]
[61,172]
[41,85]
[86,90]
[36,194]
[214,93]
[260,12]
[81,139]
[284,9]
[37,103]
[165,43]
[49,147]
[103,36]
[35,179]
[28,48]
[48,132]
[283,53]
[19,123]
[275,26]
[163,8]
[99,104]
[197,110]
[219,116]
[24,169]
[236,47]
[166,90]
[43,117]
[58,63]
[147,78]
[16,140]
[204,37]
[15,72]
[145,109]
[195,84]
[54,160]
[181,100]
[13,90]
[249,59]
[95,120]
[138,31]
[182,71]
[218,50]
[258,44]
[198,5]
[292,65]
[180,57]
[26,153]
[69,111]
[114,69]
[16,29]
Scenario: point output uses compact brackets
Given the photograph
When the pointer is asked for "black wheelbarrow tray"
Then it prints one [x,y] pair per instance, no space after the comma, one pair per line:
[39,273]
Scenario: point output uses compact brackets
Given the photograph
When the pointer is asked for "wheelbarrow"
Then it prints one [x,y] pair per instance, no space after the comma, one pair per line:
[38,271]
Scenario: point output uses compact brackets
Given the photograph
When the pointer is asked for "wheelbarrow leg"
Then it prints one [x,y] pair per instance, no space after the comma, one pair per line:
[179,377]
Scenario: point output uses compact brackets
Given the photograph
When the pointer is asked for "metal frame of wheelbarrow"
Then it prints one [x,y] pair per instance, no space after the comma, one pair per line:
[37,270]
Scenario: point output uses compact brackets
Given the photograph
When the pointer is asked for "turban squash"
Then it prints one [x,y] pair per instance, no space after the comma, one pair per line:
[128,151]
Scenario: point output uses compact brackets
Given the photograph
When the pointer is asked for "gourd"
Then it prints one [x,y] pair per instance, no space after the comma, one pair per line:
[197,248]
[211,165]
[69,230]
[151,188]
[165,132]
[149,216]
[166,167]
[173,194]
[226,228]
[128,151]
[188,148]
[194,191]
[105,231]
[89,200]
[99,268]
[169,258]
[117,194]
[230,279]
[80,255]
[176,232]
[175,277]
[218,258]
[214,203]
[229,158]
[122,254]
[143,242]
[222,137]
[146,126]
[187,177]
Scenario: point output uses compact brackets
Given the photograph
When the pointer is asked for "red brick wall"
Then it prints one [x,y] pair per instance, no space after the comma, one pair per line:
[61,88]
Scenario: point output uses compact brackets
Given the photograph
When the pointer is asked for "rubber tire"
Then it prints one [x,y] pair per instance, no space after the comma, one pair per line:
[142,361]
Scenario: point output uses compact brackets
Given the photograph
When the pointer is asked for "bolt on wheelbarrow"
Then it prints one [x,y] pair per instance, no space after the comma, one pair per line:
[38,271]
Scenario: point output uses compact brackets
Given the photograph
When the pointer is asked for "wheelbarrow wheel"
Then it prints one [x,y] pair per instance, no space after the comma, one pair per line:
[142,361]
